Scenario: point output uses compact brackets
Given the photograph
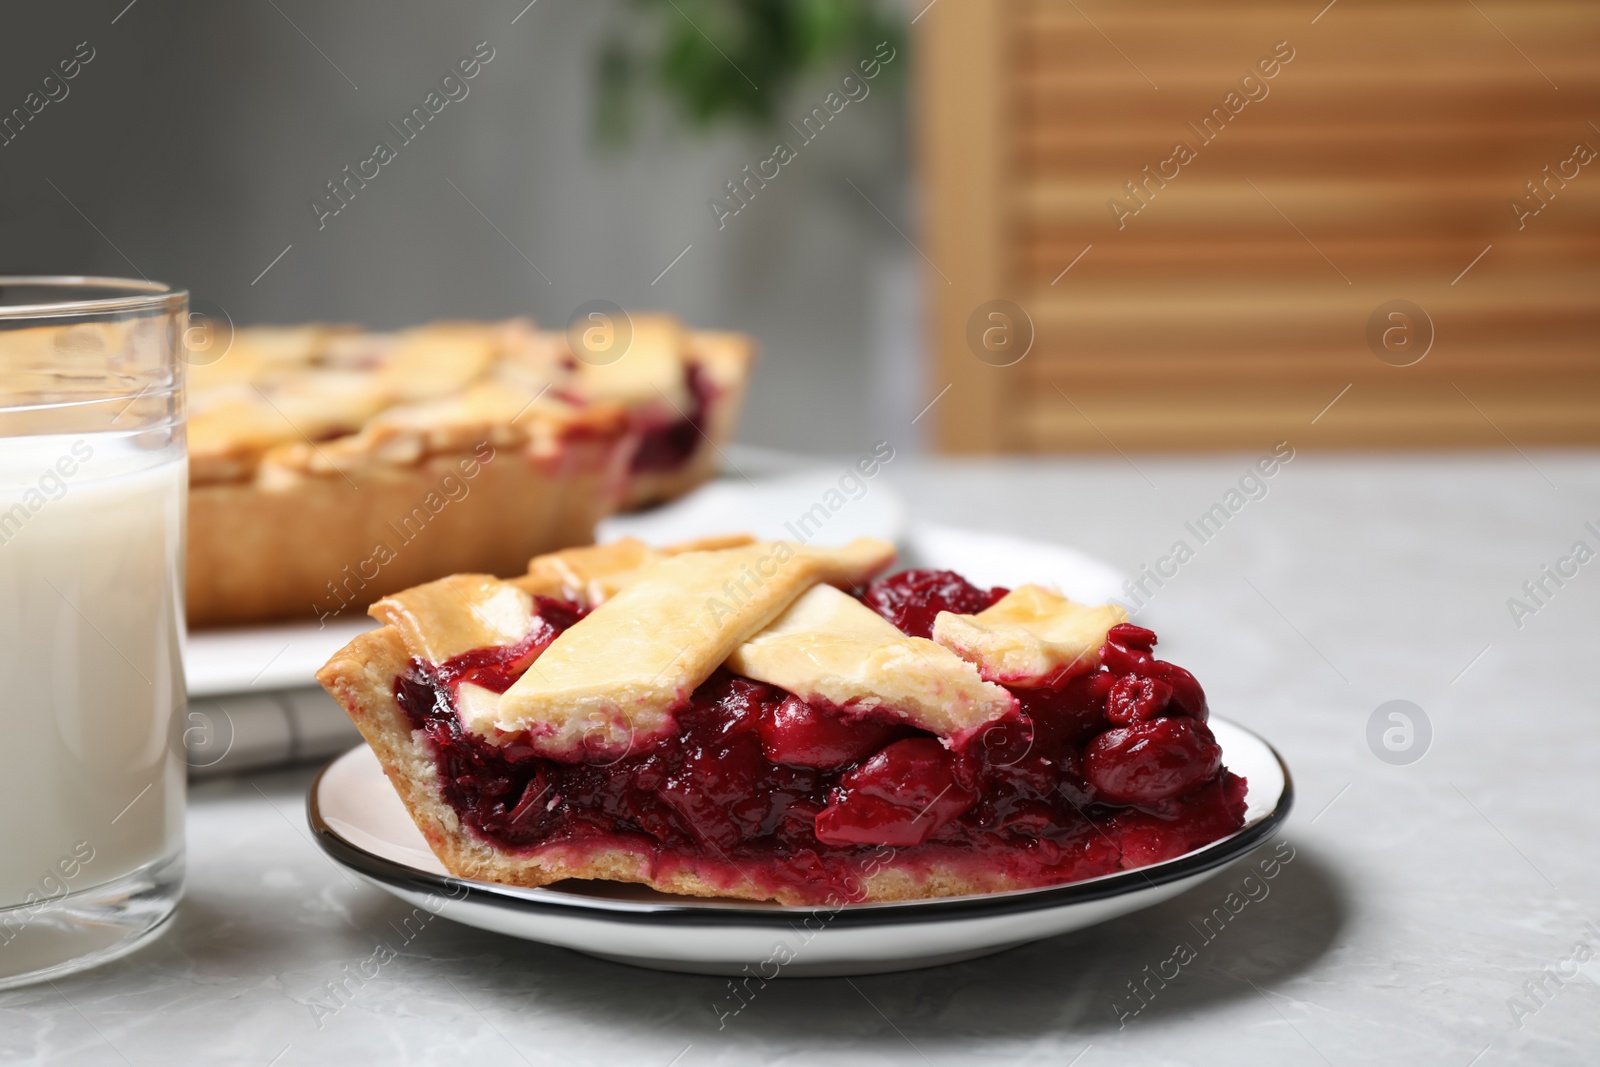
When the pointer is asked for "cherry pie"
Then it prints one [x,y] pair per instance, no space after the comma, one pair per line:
[754,719]
[329,466]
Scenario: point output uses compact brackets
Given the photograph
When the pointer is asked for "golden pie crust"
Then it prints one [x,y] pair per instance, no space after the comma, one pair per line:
[616,679]
[1030,637]
[830,649]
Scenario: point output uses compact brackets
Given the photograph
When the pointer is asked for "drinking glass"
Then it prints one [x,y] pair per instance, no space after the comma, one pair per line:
[93,483]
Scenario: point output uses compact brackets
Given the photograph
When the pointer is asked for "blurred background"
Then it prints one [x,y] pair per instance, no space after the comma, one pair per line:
[1083,226]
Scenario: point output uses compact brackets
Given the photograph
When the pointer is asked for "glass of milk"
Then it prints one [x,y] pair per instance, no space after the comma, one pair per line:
[93,477]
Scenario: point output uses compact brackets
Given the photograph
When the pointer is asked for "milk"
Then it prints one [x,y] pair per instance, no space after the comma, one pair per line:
[91,681]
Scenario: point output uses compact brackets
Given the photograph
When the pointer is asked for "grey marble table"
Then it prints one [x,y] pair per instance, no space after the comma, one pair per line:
[1434,912]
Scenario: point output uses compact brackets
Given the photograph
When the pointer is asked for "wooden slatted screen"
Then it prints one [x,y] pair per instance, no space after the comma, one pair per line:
[1228,300]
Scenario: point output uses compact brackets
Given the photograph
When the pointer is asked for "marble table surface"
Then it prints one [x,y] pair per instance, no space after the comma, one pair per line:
[1444,910]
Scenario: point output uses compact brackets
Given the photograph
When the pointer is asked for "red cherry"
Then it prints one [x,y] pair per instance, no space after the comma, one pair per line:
[1153,761]
[1135,699]
[1131,636]
[712,791]
[1065,718]
[914,772]
[899,797]
[912,599]
[1122,658]
[1187,696]
[800,735]
[1119,659]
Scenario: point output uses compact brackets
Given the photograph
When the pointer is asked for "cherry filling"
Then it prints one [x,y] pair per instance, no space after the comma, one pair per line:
[911,599]
[1109,770]
[668,447]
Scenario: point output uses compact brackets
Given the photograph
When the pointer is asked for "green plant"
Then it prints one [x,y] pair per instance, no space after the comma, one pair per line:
[727,60]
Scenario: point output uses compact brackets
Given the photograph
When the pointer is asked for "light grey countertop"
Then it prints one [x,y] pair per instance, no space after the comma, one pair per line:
[1420,900]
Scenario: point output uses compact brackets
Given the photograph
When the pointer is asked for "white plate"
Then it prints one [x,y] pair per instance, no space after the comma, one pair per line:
[359,821]
[988,559]
[278,656]
[827,505]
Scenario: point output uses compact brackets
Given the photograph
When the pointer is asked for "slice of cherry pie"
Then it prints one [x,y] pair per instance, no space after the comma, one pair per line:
[753,719]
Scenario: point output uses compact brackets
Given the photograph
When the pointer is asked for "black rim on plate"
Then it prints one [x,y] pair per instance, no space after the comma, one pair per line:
[745,913]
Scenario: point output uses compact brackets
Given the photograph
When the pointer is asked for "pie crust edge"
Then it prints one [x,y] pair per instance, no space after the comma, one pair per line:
[256,554]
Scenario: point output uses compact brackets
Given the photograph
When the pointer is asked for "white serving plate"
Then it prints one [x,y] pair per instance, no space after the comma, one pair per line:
[825,505]
[285,655]
[988,559]
[359,820]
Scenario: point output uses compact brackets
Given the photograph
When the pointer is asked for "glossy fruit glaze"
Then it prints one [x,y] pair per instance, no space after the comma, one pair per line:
[762,791]
[669,445]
